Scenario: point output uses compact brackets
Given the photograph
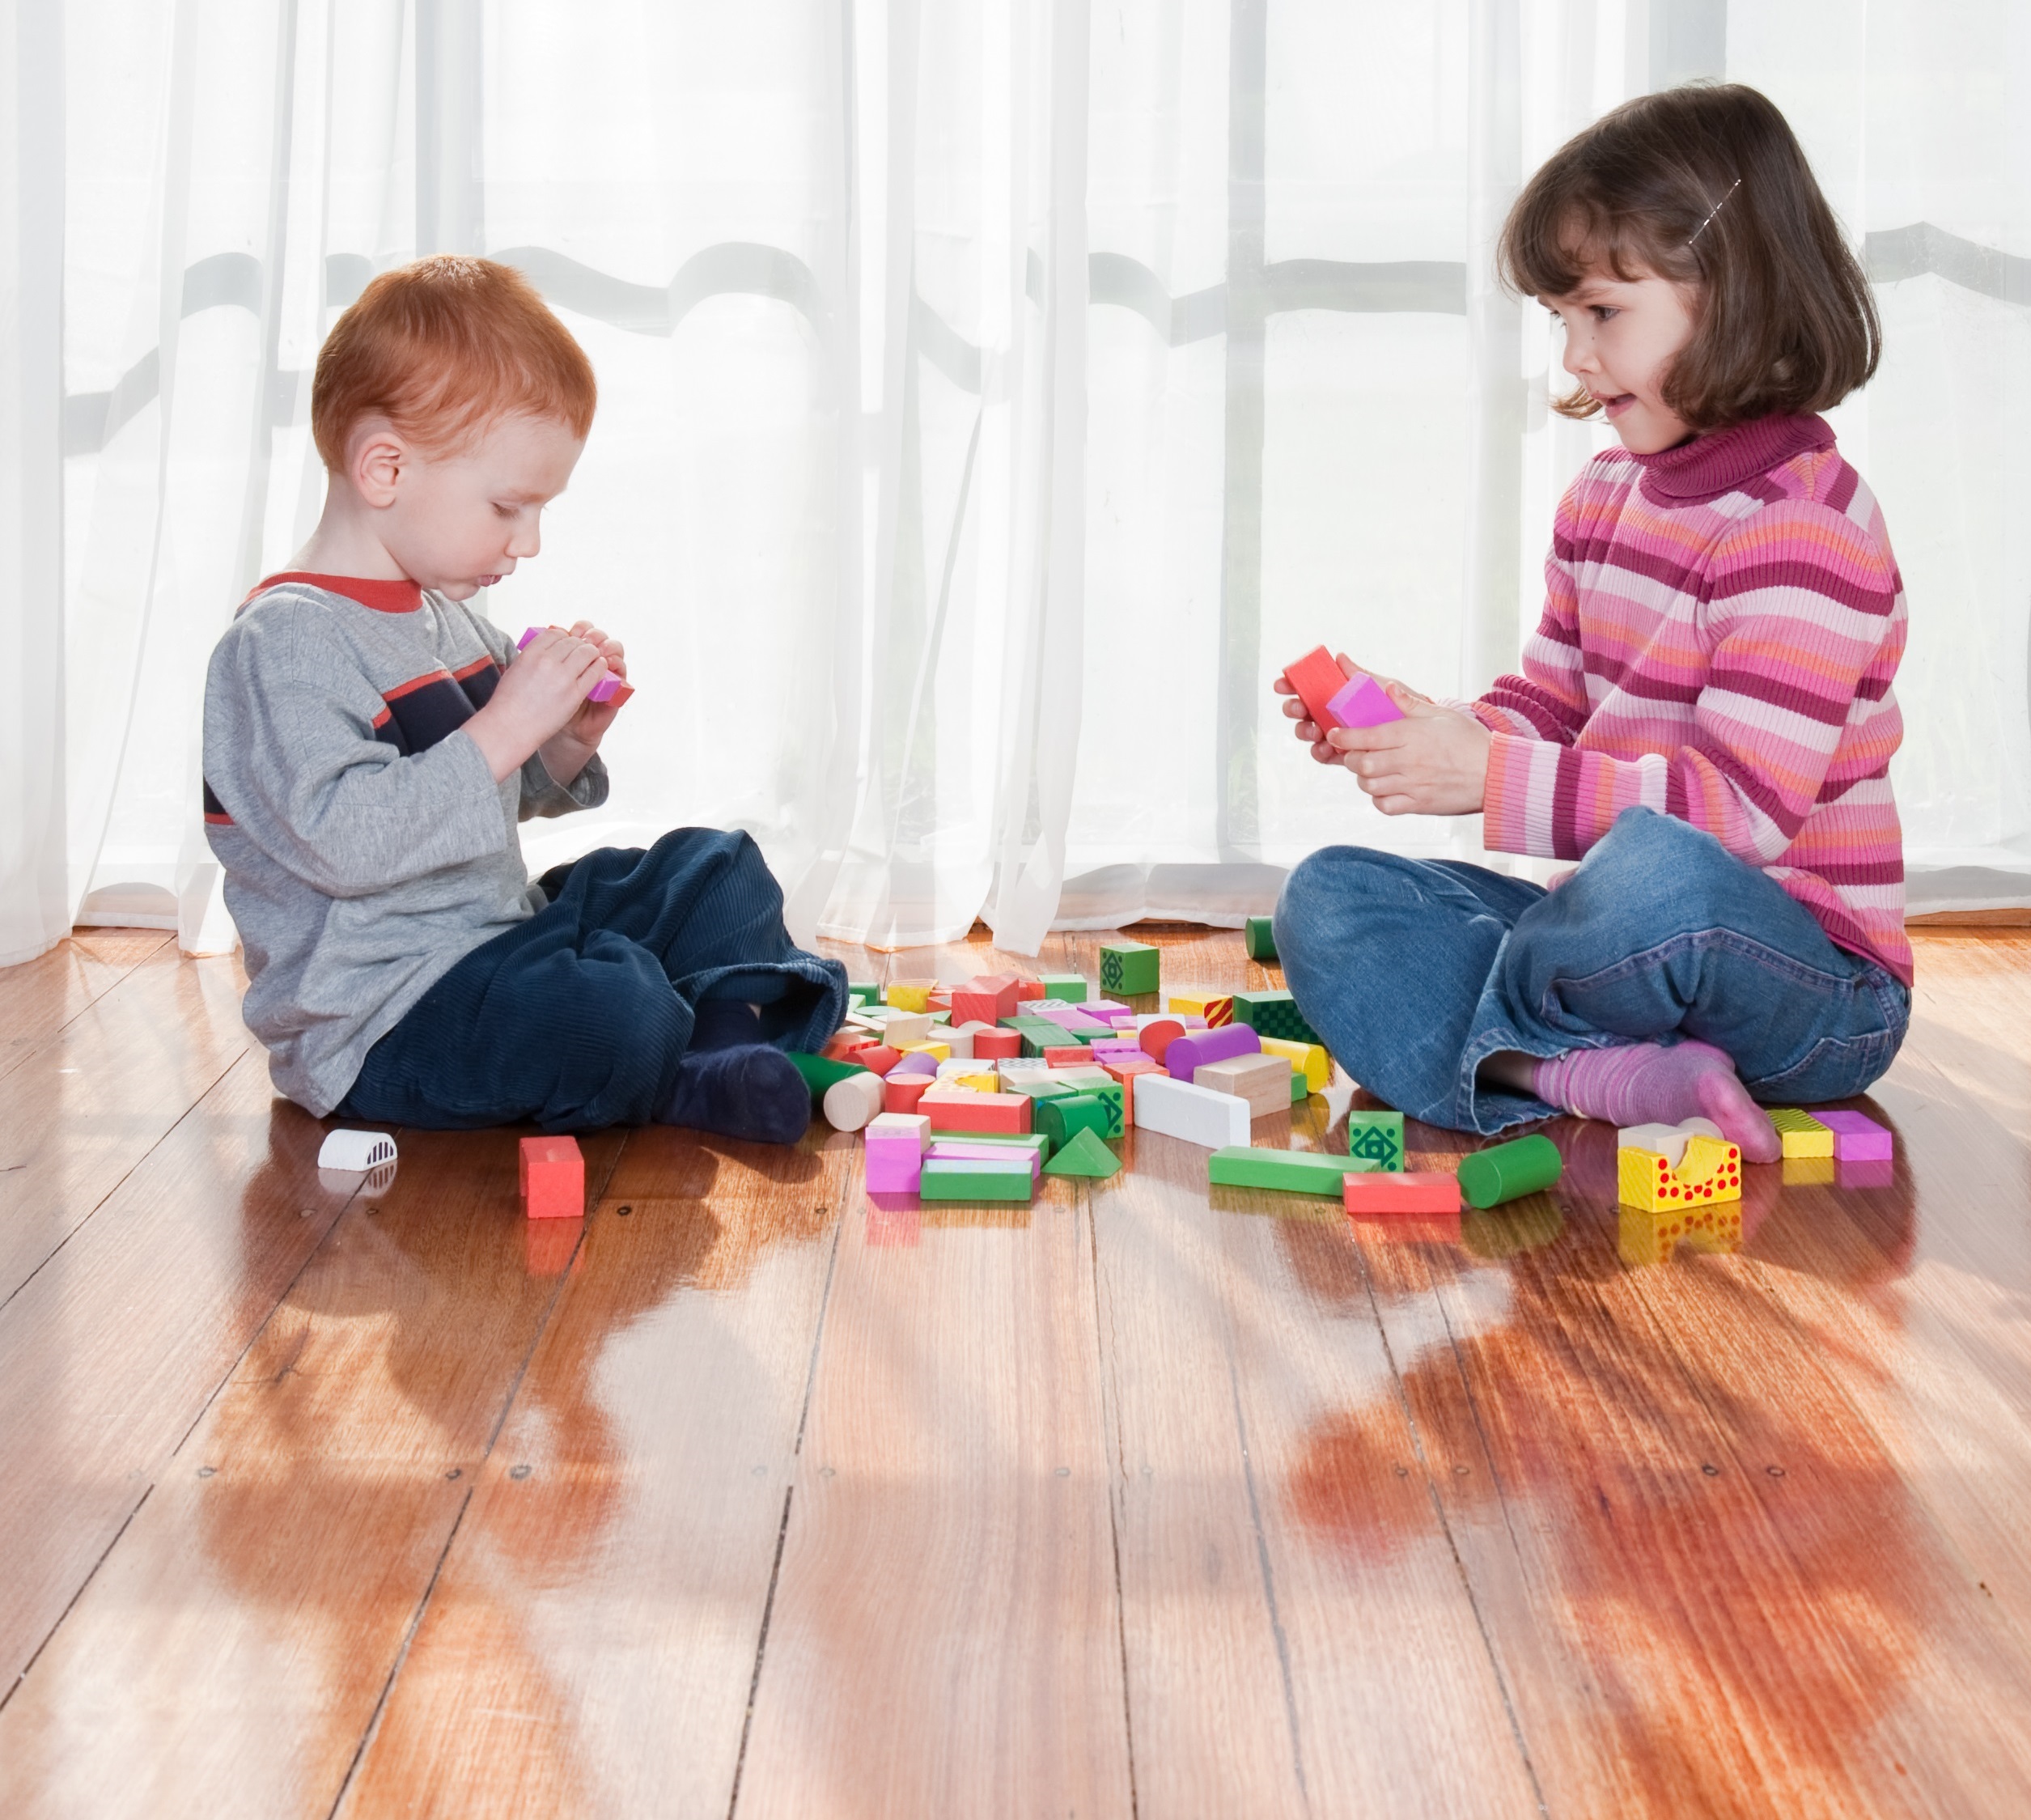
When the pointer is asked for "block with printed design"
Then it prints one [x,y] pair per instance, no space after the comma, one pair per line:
[1661,1167]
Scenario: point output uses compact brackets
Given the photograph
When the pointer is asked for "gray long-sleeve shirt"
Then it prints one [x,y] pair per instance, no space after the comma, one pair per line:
[366,846]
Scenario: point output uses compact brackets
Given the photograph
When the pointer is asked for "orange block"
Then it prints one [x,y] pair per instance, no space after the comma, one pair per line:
[552,1178]
[901,1092]
[1158,1037]
[1125,1072]
[1414,1191]
[878,1058]
[1029,989]
[1067,1055]
[1004,1113]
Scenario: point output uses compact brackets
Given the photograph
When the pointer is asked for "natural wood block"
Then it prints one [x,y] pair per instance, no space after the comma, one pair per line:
[1264,1081]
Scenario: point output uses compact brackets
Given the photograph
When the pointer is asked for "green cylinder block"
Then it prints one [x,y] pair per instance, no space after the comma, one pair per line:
[1490,1176]
[820,1073]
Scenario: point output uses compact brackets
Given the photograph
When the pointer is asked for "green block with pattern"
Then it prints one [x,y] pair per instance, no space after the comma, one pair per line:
[1259,939]
[1059,1120]
[1128,968]
[1274,1014]
[1376,1137]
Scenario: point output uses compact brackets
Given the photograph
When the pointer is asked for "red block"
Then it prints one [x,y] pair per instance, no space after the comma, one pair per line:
[846,1043]
[1067,1055]
[1385,1191]
[901,1092]
[1027,989]
[1005,1113]
[997,1046]
[1157,1037]
[552,1178]
[1317,677]
[983,1001]
[878,1058]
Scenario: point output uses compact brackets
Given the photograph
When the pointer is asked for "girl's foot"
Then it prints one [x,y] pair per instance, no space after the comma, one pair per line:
[753,1092]
[1646,1084]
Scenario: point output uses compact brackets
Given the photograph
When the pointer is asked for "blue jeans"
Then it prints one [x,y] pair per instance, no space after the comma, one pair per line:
[1415,971]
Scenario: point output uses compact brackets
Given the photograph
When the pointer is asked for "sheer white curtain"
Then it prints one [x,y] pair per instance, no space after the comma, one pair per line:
[993,397]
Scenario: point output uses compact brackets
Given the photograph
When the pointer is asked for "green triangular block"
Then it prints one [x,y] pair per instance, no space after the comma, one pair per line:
[1086,1155]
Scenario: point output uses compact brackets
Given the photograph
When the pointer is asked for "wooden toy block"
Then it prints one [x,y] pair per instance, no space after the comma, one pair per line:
[910,995]
[1216,1008]
[1038,1034]
[1293,1172]
[1878,1171]
[895,1152]
[1065,1055]
[900,1092]
[997,1046]
[915,1061]
[1300,1091]
[974,1081]
[1027,989]
[1176,1109]
[862,992]
[977,1182]
[1130,967]
[1264,1081]
[553,1171]
[957,1150]
[1308,1059]
[1856,1139]
[1124,1073]
[973,1004]
[1804,1135]
[1274,1014]
[1085,1155]
[1115,1048]
[976,1112]
[1376,1139]
[1259,936]
[1156,1035]
[1808,1172]
[1058,1119]
[1317,677]
[963,1037]
[1068,988]
[1707,1170]
[608,689]
[1184,1055]
[899,1127]
[1068,1017]
[1113,1099]
[902,1028]
[936,1051]
[1042,1085]
[842,1043]
[1506,1172]
[849,1104]
[1643,1238]
[1415,1191]
[1363,701]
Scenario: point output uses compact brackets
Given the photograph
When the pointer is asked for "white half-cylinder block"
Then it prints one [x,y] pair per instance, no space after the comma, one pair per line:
[356,1150]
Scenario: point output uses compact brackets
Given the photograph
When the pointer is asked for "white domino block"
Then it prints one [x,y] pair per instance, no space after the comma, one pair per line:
[1667,1141]
[900,1127]
[1177,1108]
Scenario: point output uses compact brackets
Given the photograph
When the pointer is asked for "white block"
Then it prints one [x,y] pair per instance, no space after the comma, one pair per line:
[1667,1140]
[356,1152]
[1177,1108]
[963,1034]
[900,1127]
[849,1104]
[903,1027]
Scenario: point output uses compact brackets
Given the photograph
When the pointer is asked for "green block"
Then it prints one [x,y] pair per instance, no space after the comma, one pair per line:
[1274,1014]
[1130,967]
[1006,1140]
[820,1073]
[1376,1137]
[862,992]
[1067,988]
[1113,1097]
[1259,939]
[1295,1172]
[976,1182]
[1502,1173]
[1060,1118]
[1038,1034]
[1300,1091]
[1084,1156]
[1037,1089]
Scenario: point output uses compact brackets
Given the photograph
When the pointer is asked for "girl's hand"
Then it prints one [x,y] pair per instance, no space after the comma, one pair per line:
[1308,729]
[1433,762]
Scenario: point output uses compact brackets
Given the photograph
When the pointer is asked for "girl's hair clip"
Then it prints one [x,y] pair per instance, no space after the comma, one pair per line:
[1715,210]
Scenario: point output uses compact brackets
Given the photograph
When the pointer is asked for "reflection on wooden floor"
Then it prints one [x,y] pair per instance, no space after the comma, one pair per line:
[740,1496]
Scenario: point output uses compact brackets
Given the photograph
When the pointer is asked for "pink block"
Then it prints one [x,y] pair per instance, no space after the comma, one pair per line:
[1363,702]
[1856,1139]
[1067,1017]
[1111,1051]
[1188,1053]
[894,1168]
[943,1150]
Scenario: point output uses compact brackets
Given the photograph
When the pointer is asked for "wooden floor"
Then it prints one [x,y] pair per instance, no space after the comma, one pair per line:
[742,1496]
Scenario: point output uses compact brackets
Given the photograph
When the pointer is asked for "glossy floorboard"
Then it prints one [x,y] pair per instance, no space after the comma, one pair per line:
[742,1495]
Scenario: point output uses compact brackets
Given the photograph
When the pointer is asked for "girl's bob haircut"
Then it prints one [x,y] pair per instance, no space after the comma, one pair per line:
[1705,185]
[441,348]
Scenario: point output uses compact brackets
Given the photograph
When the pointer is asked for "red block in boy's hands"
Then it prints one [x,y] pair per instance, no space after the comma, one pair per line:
[552,1178]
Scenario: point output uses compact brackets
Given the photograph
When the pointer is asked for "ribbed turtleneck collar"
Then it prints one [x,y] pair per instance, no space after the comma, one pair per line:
[1718,462]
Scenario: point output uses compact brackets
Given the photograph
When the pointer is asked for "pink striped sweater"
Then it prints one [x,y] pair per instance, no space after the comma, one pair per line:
[1722,623]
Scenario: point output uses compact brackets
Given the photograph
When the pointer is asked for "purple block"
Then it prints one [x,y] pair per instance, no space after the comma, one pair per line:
[1115,1050]
[606,690]
[530,637]
[1856,1139]
[916,1062]
[1879,1174]
[1188,1053]
[1363,702]
[1067,1017]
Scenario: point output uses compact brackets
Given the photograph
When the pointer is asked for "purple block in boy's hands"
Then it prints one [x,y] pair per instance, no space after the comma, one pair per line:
[1363,702]
[609,688]
[1856,1139]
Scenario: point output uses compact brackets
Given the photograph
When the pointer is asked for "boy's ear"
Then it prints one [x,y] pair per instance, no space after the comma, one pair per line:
[379,456]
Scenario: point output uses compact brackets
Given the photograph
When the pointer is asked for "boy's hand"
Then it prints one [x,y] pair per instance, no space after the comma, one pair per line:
[1308,729]
[1433,762]
[540,704]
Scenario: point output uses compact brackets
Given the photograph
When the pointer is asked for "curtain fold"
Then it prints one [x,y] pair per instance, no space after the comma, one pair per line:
[994,396]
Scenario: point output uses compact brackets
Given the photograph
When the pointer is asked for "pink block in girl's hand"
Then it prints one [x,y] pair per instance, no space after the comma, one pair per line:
[1363,702]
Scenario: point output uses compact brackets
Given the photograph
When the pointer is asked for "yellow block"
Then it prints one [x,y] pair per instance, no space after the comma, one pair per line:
[910,995]
[1650,1238]
[1306,1059]
[937,1051]
[987,1082]
[1215,1007]
[1808,1172]
[1710,1170]
[1804,1135]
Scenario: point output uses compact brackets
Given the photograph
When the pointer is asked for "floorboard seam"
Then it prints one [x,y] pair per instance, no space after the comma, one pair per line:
[113,984]
[761,1647]
[28,1666]
[1118,1487]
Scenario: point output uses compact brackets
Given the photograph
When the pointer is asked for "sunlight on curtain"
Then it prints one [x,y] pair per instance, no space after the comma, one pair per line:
[993,397]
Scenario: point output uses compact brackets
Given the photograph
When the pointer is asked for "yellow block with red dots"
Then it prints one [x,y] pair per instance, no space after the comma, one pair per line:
[1650,1238]
[1658,1168]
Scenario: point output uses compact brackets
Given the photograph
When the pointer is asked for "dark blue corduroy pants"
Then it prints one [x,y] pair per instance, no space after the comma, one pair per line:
[577,1018]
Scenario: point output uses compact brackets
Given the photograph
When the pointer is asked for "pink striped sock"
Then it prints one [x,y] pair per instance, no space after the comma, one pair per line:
[1643,1083]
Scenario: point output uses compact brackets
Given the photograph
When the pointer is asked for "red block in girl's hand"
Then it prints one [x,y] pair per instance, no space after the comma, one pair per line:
[1317,677]
[552,1178]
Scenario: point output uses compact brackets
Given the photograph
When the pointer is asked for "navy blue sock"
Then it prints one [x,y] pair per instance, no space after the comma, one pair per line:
[723,1023]
[750,1091]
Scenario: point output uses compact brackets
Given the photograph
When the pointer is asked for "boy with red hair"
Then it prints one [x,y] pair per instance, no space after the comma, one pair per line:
[370,743]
